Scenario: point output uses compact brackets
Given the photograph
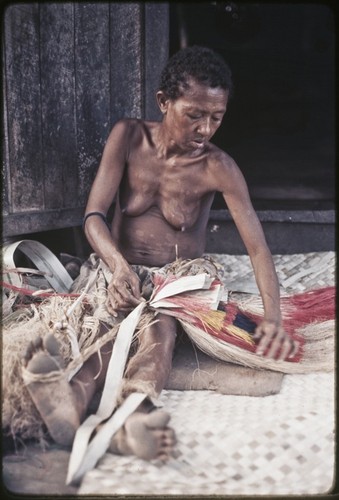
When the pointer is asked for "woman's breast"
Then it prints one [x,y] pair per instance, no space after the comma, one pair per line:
[137,205]
[180,214]
[150,239]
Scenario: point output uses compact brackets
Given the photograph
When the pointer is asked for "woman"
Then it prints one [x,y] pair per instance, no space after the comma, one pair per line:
[163,177]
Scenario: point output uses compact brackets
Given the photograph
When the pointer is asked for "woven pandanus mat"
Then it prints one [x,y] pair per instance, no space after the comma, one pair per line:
[232,445]
[297,272]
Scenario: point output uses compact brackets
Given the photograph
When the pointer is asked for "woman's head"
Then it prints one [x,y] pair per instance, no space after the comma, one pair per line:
[198,63]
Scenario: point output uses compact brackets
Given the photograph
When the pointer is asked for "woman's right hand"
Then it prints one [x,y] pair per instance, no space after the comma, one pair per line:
[124,290]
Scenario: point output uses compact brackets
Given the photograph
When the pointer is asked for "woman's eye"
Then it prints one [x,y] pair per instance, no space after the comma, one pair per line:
[194,117]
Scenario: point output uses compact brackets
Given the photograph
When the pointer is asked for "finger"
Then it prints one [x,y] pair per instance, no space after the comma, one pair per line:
[265,328]
[124,296]
[286,348]
[133,286]
[134,301]
[111,309]
[296,347]
[114,308]
[257,334]
[126,309]
[278,346]
[121,298]
[113,304]
[128,284]
[264,342]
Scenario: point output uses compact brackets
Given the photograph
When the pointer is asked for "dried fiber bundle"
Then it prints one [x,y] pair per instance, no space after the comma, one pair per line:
[298,309]
[20,419]
[227,333]
[19,416]
[318,353]
[224,330]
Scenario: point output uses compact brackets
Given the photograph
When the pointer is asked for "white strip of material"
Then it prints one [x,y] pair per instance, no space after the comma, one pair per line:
[81,451]
[86,453]
[45,261]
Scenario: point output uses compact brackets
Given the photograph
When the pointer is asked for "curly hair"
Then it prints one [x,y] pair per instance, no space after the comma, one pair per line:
[200,63]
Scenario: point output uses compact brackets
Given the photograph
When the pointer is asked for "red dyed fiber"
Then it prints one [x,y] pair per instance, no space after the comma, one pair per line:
[297,311]
[313,306]
[27,291]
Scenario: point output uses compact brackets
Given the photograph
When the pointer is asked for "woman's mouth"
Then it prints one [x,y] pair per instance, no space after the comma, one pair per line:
[198,143]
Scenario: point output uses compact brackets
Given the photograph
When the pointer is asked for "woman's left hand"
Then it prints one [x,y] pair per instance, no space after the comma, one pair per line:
[274,342]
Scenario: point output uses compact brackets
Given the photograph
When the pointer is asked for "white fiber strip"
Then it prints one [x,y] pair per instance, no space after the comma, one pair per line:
[100,443]
[109,396]
[183,284]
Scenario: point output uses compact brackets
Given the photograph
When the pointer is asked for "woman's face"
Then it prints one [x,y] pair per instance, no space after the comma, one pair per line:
[192,119]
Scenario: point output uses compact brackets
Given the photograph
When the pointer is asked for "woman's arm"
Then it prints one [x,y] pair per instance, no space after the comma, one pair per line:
[124,289]
[270,333]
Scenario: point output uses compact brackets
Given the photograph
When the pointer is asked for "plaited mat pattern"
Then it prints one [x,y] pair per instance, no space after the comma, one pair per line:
[239,445]
[297,273]
[230,445]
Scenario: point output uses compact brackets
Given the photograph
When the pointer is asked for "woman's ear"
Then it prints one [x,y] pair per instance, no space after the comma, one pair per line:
[162,101]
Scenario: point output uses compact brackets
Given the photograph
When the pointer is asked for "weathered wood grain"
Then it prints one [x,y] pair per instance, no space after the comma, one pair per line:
[92,90]
[22,70]
[58,104]
[31,222]
[71,70]
[156,46]
[126,60]
[6,158]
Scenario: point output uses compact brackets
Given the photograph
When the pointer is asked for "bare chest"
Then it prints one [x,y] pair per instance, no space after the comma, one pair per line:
[178,190]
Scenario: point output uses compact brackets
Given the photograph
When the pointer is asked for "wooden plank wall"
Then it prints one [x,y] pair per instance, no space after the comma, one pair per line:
[71,70]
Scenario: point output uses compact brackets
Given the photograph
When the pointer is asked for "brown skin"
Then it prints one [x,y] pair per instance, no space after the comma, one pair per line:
[163,176]
[168,173]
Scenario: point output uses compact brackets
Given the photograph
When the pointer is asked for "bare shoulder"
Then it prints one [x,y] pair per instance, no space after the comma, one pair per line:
[124,137]
[125,127]
[132,131]
[223,169]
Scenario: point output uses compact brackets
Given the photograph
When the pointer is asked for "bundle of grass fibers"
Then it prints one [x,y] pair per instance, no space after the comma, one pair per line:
[226,332]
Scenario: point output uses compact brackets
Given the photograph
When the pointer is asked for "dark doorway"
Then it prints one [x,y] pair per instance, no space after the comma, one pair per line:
[280,125]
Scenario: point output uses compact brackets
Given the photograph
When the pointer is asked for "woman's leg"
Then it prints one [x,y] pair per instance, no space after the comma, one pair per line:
[62,405]
[146,434]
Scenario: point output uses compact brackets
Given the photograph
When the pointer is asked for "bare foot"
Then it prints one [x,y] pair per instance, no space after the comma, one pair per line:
[54,400]
[145,435]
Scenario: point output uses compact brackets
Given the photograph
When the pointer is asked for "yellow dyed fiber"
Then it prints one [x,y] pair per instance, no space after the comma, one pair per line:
[239,332]
[213,319]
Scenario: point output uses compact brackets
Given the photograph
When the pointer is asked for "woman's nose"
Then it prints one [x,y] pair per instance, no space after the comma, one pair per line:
[205,128]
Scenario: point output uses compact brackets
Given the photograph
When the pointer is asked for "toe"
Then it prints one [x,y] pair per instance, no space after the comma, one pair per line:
[169,438]
[29,353]
[148,437]
[51,344]
[168,442]
[165,453]
[37,343]
[158,419]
